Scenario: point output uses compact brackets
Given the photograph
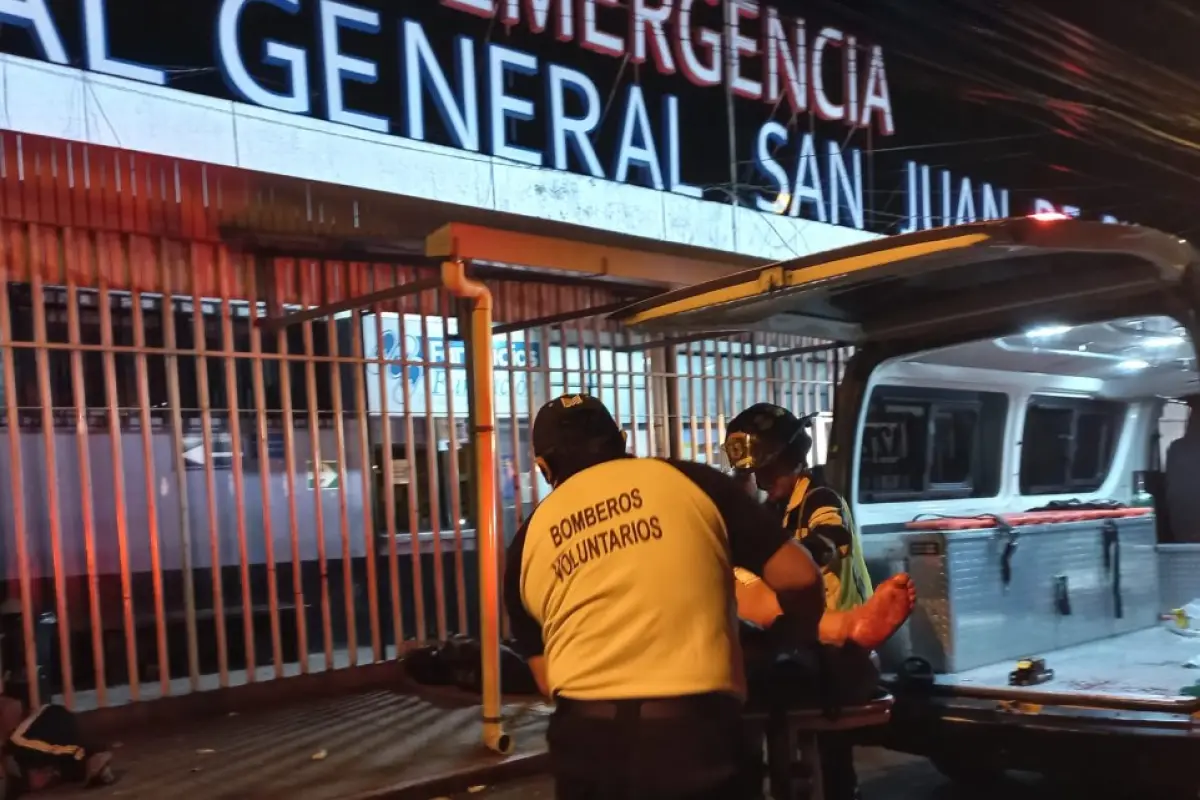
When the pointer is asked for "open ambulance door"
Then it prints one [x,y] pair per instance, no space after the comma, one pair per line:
[915,292]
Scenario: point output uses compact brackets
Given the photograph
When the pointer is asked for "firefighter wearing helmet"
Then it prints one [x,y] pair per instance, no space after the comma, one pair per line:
[771,444]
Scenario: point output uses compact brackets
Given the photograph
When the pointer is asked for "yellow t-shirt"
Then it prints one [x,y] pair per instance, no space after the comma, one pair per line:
[621,579]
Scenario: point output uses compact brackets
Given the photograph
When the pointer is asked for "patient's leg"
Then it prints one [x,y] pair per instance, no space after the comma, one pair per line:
[867,626]
[874,622]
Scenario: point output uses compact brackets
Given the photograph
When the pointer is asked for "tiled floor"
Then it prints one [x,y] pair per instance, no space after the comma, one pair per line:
[331,749]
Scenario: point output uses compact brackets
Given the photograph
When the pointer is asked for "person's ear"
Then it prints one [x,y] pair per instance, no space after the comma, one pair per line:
[544,469]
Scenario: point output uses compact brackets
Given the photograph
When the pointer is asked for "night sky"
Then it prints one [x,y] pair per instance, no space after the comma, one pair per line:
[1099,100]
[1079,103]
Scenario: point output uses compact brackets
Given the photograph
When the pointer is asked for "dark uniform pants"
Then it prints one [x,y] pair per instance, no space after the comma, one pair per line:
[687,748]
[812,677]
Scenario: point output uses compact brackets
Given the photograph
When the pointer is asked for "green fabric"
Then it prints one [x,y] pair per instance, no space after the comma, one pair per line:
[855,581]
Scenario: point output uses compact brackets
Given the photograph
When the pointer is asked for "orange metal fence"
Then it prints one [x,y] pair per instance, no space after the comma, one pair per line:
[193,502]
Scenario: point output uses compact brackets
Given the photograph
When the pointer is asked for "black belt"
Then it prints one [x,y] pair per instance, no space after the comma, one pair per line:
[648,707]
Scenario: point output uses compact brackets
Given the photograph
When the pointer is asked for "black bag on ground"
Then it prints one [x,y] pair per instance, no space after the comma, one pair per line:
[458,663]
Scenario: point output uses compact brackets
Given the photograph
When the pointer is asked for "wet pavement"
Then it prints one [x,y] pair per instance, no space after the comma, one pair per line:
[378,744]
[883,775]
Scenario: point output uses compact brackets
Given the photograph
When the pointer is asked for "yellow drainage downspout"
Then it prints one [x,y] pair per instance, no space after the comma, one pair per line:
[454,278]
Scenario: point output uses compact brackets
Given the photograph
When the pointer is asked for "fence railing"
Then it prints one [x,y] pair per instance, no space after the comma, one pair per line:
[196,502]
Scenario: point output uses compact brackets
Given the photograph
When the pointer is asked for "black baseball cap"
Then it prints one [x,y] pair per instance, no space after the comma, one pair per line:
[573,422]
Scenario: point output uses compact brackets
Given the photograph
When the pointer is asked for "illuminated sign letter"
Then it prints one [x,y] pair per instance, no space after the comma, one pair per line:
[461,114]
[637,141]
[877,98]
[739,46]
[98,60]
[991,208]
[710,41]
[233,69]
[647,20]
[480,8]
[807,185]
[595,39]
[674,181]
[500,61]
[35,17]
[851,80]
[845,183]
[338,66]
[539,13]
[825,108]
[965,210]
[770,137]
[573,131]
[778,50]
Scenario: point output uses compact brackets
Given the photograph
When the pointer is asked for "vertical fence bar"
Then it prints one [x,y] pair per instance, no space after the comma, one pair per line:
[364,449]
[723,384]
[504,294]
[704,391]
[431,462]
[17,479]
[289,461]
[511,309]
[658,358]
[67,253]
[53,507]
[446,307]
[147,441]
[604,347]
[200,347]
[264,464]
[656,391]
[805,380]
[314,433]
[787,397]
[623,337]
[388,468]
[580,344]
[171,343]
[771,344]
[410,453]
[745,365]
[236,449]
[339,441]
[536,374]
[693,406]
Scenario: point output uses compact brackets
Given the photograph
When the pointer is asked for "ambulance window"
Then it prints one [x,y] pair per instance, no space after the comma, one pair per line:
[953,451]
[930,443]
[1068,444]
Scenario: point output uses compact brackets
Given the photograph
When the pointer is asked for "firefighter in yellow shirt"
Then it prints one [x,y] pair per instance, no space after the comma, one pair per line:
[620,595]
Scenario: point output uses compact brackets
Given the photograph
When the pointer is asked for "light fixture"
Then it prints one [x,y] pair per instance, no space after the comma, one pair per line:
[1163,341]
[1046,331]
[1133,365]
[1048,216]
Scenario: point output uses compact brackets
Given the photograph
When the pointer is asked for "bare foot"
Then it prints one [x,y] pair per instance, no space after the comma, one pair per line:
[877,619]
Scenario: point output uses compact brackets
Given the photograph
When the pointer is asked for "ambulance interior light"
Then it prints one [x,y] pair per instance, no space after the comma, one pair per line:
[1047,331]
